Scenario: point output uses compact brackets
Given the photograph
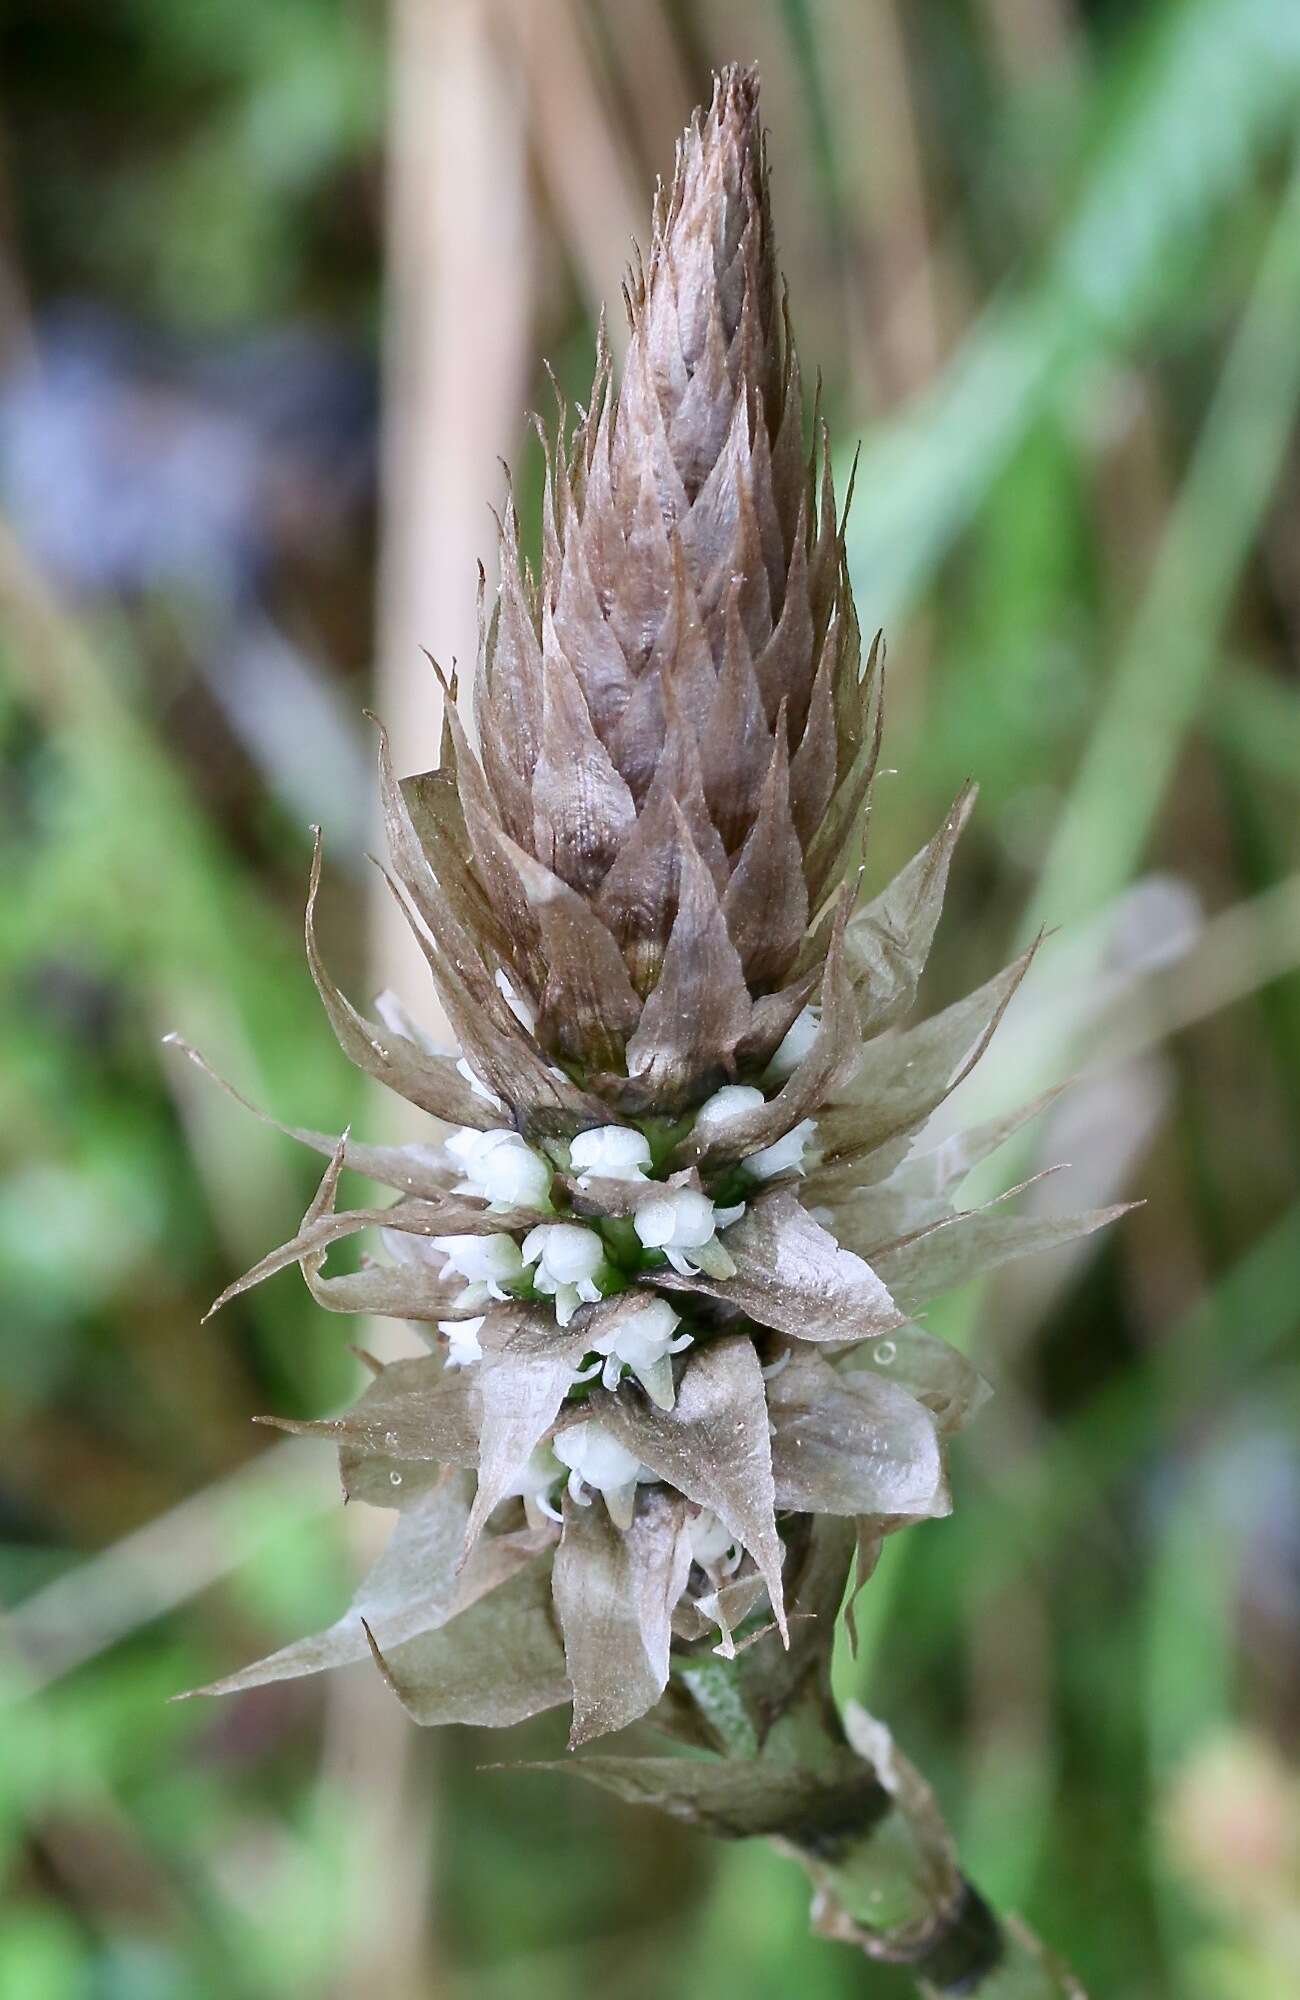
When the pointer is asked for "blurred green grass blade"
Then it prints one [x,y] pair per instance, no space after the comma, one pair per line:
[132,866]
[1217,1350]
[1187,1669]
[1160,678]
[1189,1625]
[802,34]
[1186,112]
[1161,675]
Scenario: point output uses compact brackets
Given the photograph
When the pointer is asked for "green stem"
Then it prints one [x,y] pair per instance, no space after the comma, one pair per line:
[870,1837]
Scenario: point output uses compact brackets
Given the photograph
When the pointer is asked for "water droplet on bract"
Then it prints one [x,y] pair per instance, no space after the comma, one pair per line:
[394,1478]
[390,1437]
[885,1351]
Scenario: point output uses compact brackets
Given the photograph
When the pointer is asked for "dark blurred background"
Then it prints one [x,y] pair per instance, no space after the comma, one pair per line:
[276,282]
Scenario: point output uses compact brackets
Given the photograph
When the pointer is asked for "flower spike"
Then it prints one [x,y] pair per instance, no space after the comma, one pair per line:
[674,1205]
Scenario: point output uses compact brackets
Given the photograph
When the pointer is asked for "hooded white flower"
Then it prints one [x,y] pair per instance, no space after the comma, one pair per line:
[488,1262]
[598,1461]
[799,1038]
[679,1221]
[609,1152]
[534,1483]
[464,1146]
[501,1167]
[568,1258]
[785,1155]
[462,1340]
[642,1340]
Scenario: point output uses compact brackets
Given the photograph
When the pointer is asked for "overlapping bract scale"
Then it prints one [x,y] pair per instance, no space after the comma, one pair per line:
[670,713]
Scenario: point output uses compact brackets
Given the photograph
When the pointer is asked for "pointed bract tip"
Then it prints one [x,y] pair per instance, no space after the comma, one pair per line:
[378,1657]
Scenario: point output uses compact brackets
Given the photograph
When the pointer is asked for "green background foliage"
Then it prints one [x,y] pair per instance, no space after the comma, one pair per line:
[1047,254]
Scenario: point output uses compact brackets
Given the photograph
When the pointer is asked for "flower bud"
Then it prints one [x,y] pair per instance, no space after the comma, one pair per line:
[798,1040]
[728,1104]
[465,1146]
[677,1219]
[785,1155]
[522,1012]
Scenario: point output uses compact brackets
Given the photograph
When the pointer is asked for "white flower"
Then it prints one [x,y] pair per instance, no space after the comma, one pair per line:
[410,1250]
[713,1546]
[567,1258]
[642,1340]
[719,1555]
[680,1220]
[598,1460]
[733,1101]
[489,1262]
[785,1155]
[799,1038]
[522,1012]
[499,1166]
[463,1146]
[462,1340]
[533,1484]
[609,1152]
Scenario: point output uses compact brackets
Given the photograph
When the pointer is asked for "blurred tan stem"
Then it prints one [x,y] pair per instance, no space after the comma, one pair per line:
[457,317]
[458,335]
[581,152]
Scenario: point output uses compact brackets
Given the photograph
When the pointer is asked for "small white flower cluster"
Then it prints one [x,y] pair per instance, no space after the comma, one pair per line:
[596,1462]
[568,1261]
[590,1460]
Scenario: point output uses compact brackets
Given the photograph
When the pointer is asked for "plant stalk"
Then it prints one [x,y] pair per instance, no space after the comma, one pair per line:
[869,1834]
